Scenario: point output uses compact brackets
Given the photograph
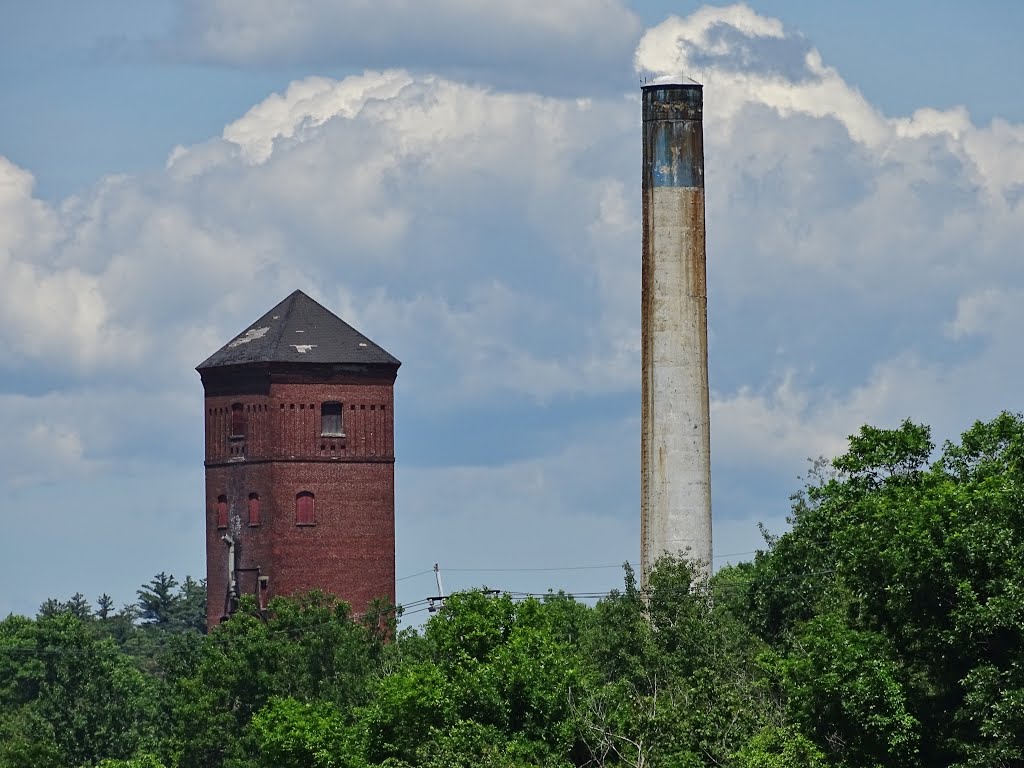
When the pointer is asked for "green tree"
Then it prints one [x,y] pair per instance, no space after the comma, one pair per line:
[779,747]
[188,612]
[308,649]
[487,664]
[68,696]
[141,761]
[104,607]
[158,601]
[885,628]
[680,683]
[77,606]
[896,600]
[295,734]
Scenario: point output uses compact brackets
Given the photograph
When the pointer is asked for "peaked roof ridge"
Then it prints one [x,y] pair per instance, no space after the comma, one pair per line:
[300,329]
[278,332]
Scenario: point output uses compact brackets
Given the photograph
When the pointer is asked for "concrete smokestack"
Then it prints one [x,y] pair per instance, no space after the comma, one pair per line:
[675,454]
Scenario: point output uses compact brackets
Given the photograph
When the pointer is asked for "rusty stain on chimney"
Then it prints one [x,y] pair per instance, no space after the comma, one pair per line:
[675,453]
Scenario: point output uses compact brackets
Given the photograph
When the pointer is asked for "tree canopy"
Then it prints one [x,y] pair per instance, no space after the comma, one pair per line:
[883,628]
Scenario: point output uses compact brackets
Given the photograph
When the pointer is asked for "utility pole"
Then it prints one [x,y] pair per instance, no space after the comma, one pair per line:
[435,603]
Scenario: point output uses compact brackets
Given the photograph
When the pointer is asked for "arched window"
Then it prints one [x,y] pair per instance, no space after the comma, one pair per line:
[237,420]
[330,420]
[304,508]
[222,511]
[254,509]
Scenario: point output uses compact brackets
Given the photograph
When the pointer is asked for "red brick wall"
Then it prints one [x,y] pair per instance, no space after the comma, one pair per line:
[252,544]
[350,550]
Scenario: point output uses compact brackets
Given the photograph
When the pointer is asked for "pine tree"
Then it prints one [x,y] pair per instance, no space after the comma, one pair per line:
[158,600]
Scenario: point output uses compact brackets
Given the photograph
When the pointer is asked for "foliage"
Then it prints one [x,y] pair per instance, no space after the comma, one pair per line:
[896,597]
[779,747]
[504,665]
[885,627]
[76,606]
[177,611]
[308,650]
[68,695]
[294,734]
[158,601]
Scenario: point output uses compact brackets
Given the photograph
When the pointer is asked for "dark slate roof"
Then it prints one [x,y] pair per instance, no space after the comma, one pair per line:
[299,330]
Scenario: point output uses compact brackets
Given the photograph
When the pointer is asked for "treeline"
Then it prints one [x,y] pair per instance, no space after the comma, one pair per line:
[163,604]
[884,629]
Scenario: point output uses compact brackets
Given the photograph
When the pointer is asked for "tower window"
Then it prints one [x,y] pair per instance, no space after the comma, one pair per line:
[330,420]
[222,511]
[304,508]
[238,420]
[254,509]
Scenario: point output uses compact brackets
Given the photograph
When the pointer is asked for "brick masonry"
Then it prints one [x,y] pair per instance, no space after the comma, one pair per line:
[349,551]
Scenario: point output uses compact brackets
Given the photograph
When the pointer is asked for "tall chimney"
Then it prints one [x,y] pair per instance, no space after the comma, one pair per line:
[675,453]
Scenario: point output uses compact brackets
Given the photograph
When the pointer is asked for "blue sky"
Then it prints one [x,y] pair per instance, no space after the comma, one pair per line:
[460,182]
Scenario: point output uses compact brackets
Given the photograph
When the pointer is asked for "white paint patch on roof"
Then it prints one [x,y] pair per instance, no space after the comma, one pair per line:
[250,335]
[302,348]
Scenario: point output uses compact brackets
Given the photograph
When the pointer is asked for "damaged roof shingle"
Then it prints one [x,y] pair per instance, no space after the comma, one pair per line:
[299,330]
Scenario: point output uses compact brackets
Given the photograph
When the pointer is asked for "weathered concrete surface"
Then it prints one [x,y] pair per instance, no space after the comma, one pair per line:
[675,422]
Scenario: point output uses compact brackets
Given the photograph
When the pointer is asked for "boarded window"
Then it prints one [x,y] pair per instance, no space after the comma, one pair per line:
[304,514]
[330,420]
[222,511]
[254,509]
[237,420]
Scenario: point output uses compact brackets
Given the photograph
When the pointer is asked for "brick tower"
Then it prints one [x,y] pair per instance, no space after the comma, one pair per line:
[300,461]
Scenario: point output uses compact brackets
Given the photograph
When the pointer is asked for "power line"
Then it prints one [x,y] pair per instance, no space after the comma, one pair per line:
[517,569]
[585,595]
[422,605]
[735,554]
[554,568]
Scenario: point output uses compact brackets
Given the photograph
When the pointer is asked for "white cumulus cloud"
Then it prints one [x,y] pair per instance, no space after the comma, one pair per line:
[513,41]
[863,267]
